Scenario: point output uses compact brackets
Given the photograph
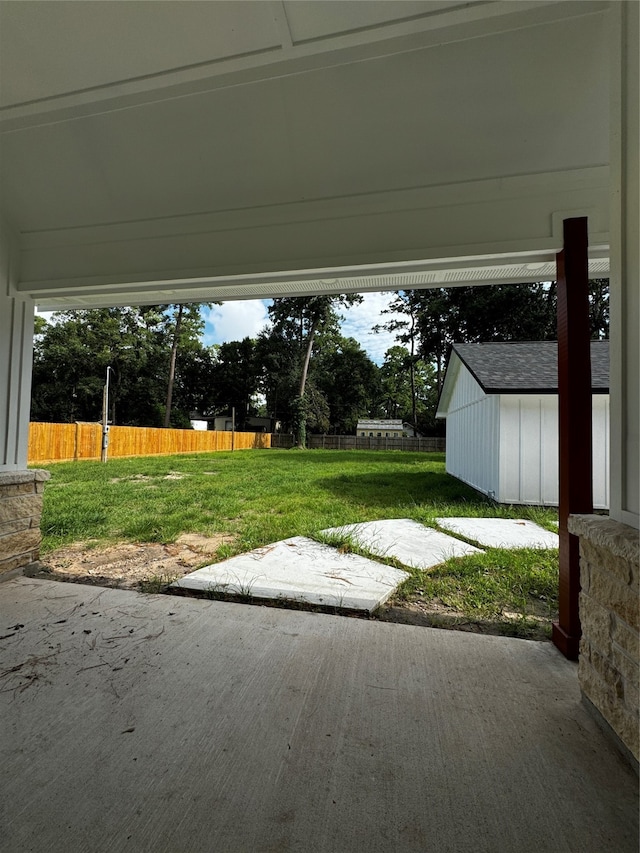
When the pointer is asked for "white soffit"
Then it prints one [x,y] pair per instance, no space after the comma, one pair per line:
[443,273]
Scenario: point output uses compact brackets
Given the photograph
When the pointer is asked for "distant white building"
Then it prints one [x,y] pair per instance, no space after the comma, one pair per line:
[386,428]
[500,401]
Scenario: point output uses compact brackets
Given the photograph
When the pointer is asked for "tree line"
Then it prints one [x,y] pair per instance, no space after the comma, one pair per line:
[300,371]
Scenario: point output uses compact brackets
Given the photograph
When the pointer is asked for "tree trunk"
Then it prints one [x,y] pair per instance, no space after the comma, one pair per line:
[307,357]
[172,368]
[413,372]
[302,426]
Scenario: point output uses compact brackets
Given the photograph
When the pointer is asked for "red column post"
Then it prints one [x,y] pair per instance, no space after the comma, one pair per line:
[575,438]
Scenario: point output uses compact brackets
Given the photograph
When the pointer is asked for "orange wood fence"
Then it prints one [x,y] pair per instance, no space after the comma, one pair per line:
[66,442]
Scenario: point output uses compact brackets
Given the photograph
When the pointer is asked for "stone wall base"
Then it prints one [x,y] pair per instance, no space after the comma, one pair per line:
[610,733]
[20,512]
[609,663]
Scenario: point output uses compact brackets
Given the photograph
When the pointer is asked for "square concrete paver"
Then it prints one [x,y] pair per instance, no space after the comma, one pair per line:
[501,532]
[300,570]
[408,541]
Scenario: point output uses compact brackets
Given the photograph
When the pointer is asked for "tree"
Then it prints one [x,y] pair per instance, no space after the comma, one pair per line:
[39,325]
[434,319]
[183,325]
[509,312]
[71,355]
[599,308]
[237,376]
[349,382]
[407,303]
[409,388]
[296,324]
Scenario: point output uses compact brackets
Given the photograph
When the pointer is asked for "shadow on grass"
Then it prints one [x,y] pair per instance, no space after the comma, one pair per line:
[416,488]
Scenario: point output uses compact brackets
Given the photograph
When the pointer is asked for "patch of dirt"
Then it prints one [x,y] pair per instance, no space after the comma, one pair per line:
[138,478]
[430,614]
[128,566]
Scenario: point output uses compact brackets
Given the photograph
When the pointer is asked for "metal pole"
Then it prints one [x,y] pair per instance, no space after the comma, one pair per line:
[105,418]
[233,428]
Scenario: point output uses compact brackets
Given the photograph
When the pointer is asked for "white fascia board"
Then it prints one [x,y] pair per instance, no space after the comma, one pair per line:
[450,379]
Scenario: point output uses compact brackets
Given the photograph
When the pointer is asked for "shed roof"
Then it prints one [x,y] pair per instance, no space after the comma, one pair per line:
[527,367]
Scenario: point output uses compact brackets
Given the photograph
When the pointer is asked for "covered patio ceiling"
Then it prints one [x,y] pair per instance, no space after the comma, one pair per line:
[185,150]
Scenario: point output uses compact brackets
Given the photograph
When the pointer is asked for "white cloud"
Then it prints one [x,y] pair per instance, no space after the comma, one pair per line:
[233,321]
[359,321]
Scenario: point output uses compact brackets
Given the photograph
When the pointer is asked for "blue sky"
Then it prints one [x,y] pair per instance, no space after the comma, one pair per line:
[233,321]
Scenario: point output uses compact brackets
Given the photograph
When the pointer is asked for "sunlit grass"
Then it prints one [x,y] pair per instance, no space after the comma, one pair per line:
[259,496]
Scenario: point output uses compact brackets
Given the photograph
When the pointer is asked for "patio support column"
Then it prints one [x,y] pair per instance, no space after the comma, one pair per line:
[20,489]
[574,405]
[16,348]
[625,263]
[608,668]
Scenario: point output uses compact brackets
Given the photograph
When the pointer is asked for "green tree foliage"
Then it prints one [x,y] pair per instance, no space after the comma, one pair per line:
[508,312]
[599,308]
[237,378]
[297,323]
[71,355]
[407,303]
[432,320]
[409,389]
[349,382]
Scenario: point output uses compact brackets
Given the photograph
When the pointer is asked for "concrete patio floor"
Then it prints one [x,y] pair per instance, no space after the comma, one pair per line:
[153,723]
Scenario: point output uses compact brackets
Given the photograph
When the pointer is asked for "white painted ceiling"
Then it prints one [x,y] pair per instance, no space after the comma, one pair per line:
[168,147]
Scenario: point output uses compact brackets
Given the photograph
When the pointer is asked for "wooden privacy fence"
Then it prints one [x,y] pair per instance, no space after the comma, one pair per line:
[67,442]
[431,444]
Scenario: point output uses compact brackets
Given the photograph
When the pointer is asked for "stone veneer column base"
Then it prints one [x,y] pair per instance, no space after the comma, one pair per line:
[609,663]
[20,512]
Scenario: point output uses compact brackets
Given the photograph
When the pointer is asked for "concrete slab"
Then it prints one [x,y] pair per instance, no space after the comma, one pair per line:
[501,532]
[155,723]
[408,541]
[301,570]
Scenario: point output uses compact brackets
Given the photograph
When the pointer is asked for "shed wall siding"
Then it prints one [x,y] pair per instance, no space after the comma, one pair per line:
[473,435]
[529,450]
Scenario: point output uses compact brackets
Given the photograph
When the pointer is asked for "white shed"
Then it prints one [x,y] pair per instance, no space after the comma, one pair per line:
[500,401]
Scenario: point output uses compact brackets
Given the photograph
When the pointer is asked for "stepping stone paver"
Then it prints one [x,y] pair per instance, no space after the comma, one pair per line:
[501,532]
[408,541]
[300,570]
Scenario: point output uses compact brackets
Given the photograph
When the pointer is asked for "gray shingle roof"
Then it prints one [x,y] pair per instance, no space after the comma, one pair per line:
[527,367]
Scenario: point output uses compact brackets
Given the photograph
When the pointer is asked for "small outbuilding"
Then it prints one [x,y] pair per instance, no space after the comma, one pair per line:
[500,401]
[386,428]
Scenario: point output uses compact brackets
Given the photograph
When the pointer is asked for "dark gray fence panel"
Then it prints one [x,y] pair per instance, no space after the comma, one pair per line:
[431,444]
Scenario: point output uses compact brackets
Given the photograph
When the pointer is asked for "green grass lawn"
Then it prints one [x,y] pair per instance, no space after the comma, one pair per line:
[259,497]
